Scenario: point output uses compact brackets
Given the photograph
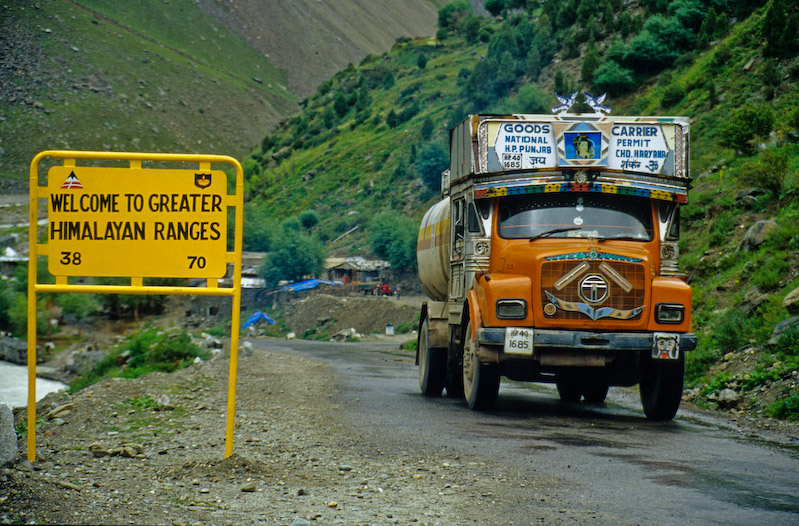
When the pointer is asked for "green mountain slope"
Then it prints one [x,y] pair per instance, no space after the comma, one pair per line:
[102,75]
[181,76]
[362,146]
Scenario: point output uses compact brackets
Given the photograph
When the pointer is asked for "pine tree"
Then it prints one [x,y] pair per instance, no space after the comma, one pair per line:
[590,63]
[560,84]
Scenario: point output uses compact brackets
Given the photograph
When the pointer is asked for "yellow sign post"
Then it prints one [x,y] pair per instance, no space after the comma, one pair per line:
[137,222]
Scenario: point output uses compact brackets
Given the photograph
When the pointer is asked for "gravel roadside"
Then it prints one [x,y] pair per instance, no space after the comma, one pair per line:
[150,451]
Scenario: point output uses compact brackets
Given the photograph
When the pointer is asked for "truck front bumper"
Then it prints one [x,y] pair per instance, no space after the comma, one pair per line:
[588,341]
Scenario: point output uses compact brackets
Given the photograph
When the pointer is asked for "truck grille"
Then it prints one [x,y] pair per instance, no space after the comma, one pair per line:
[593,290]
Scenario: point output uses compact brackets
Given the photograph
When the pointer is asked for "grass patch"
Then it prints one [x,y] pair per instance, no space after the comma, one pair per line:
[410,345]
[144,352]
[785,409]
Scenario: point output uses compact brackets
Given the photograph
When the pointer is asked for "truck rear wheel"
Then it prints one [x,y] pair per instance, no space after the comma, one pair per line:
[480,380]
[432,364]
[661,387]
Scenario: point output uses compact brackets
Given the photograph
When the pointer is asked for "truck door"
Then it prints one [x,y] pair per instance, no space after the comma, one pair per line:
[477,243]
[458,232]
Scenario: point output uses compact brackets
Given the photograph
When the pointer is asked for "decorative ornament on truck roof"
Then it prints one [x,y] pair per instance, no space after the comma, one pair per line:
[568,102]
[596,103]
[565,103]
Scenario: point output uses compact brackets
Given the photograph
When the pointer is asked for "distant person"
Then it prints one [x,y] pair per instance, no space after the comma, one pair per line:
[397,291]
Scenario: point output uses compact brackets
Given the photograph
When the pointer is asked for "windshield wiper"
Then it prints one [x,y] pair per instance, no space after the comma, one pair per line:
[622,237]
[547,233]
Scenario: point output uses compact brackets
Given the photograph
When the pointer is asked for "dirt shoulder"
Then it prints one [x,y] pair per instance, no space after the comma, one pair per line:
[150,451]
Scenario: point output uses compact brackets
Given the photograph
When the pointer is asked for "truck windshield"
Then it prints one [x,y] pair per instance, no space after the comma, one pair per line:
[556,215]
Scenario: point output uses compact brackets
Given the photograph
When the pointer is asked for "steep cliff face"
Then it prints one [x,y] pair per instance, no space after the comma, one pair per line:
[200,76]
[311,40]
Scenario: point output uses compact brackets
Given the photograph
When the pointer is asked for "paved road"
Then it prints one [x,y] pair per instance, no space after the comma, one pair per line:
[608,465]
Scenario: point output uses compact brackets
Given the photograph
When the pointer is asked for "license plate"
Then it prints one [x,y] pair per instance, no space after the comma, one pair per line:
[666,346]
[511,161]
[519,341]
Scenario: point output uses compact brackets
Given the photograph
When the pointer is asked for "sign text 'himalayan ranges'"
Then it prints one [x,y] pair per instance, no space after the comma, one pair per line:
[136,222]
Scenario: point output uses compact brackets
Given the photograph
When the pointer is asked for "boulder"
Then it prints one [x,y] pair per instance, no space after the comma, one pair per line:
[245,349]
[781,327]
[753,298]
[757,233]
[8,437]
[791,301]
[346,335]
[13,350]
[748,197]
[729,399]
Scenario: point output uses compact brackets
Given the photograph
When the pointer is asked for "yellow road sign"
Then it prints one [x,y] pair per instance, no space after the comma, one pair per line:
[136,222]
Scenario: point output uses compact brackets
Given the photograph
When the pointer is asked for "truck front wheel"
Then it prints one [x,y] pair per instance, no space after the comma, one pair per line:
[480,380]
[661,387]
[569,391]
[432,364]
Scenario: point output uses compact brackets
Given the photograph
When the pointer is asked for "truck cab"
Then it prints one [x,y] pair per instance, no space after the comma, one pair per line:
[553,257]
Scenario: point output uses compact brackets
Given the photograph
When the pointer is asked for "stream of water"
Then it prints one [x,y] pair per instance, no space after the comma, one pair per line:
[14,385]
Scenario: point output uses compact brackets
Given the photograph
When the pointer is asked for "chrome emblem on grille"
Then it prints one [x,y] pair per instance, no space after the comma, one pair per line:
[593,289]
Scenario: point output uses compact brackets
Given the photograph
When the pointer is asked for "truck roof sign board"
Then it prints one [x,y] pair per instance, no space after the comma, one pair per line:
[644,145]
[137,222]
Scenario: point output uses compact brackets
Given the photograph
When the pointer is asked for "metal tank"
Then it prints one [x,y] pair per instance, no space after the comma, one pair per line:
[432,251]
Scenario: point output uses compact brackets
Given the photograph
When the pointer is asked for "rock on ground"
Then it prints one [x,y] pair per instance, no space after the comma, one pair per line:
[8,437]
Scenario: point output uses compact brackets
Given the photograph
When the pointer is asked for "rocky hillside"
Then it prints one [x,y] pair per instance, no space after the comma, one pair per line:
[372,140]
[195,77]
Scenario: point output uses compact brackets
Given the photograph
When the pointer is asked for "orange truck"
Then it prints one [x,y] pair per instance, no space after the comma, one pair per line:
[553,257]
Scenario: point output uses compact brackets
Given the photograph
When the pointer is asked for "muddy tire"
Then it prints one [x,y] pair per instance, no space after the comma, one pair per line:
[595,393]
[661,387]
[432,364]
[454,374]
[568,391]
[480,380]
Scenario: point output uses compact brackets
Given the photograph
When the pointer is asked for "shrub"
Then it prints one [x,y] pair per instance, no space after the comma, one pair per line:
[294,255]
[673,94]
[722,227]
[391,119]
[453,14]
[658,44]
[529,100]
[747,123]
[433,159]
[728,334]
[146,351]
[786,409]
[590,63]
[495,7]
[471,30]
[772,271]
[392,236]
[259,228]
[427,129]
[768,170]
[698,362]
[610,77]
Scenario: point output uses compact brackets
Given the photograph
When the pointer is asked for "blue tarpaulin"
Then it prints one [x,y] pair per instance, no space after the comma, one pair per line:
[306,285]
[255,318]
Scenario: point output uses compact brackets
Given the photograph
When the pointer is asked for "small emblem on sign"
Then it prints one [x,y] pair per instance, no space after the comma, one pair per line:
[72,182]
[202,180]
